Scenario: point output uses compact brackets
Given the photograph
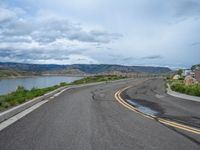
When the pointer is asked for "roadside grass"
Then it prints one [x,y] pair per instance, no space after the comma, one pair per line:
[22,95]
[98,78]
[179,86]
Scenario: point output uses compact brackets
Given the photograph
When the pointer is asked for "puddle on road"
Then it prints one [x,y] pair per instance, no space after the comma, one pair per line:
[143,109]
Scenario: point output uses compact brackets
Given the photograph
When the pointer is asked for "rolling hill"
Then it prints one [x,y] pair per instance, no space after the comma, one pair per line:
[39,69]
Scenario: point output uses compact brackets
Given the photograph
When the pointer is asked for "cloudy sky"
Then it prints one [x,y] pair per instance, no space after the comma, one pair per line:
[128,32]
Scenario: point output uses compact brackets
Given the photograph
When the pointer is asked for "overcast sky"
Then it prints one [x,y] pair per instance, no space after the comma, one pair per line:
[128,32]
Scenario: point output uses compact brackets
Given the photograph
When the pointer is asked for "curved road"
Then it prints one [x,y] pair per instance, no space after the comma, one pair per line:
[90,118]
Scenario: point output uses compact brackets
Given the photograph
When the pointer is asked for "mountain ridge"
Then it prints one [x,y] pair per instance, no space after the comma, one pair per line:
[81,68]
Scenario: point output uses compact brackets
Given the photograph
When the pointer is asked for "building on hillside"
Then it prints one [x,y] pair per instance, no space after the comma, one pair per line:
[176,77]
[186,72]
[189,80]
[197,75]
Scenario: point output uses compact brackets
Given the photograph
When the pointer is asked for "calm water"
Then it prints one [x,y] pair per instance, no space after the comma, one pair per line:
[9,85]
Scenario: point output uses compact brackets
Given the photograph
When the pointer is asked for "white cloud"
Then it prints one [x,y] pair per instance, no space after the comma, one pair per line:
[94,29]
[50,39]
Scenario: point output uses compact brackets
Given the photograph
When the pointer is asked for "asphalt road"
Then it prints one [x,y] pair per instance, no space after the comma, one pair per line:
[89,118]
[152,94]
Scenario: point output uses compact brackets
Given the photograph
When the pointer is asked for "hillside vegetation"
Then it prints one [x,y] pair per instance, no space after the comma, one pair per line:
[8,73]
[82,68]
[195,66]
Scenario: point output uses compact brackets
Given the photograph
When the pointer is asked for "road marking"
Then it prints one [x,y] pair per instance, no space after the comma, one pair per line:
[57,94]
[20,115]
[163,121]
[180,126]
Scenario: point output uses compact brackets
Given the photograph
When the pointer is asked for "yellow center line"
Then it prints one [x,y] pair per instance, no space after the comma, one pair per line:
[161,120]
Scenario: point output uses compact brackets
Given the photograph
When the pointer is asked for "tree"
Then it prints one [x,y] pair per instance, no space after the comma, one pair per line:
[195,67]
[179,72]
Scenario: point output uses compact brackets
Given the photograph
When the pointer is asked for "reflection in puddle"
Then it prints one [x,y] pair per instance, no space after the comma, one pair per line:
[143,109]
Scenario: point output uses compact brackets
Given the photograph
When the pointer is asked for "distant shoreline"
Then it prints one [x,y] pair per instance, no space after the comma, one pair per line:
[43,75]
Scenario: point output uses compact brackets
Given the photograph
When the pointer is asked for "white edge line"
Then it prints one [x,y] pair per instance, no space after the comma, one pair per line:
[20,115]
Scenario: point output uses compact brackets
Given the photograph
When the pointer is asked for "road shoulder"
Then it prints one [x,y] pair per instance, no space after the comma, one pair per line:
[182,96]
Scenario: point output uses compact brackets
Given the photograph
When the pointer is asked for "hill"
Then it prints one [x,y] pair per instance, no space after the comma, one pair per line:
[10,73]
[195,67]
[101,68]
[39,69]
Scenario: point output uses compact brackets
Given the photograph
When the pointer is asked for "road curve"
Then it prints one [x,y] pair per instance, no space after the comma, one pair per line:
[90,118]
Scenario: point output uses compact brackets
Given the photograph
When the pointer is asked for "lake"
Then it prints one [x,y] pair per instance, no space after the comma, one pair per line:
[9,85]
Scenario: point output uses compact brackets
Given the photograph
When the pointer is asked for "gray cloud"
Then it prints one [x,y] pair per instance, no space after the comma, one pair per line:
[128,59]
[94,36]
[195,44]
[42,38]
[14,39]
[152,57]
[154,32]
[6,15]
[47,30]
[187,7]
[36,54]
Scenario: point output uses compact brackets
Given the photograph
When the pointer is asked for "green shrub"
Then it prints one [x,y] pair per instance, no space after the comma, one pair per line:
[20,89]
[190,89]
[22,95]
[63,84]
